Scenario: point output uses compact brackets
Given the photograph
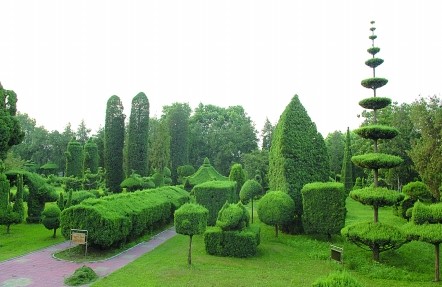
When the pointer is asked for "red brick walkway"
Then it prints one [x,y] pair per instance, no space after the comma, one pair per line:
[41,269]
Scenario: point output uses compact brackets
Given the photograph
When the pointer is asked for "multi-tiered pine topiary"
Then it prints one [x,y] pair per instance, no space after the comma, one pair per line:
[376,236]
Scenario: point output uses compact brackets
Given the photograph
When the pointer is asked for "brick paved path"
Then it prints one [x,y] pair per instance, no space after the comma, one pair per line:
[40,269]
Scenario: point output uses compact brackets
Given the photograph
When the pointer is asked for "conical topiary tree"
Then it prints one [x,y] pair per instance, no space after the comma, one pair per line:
[375,236]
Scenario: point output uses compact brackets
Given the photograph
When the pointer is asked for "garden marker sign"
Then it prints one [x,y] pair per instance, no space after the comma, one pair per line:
[337,253]
[79,237]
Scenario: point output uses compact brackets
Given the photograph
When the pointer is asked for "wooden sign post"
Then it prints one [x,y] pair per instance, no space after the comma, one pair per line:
[79,237]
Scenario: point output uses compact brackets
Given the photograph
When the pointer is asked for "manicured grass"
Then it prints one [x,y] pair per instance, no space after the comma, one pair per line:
[285,261]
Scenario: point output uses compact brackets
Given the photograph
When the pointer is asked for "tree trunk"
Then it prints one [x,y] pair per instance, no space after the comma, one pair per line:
[376,253]
[55,233]
[276,230]
[189,257]
[376,213]
[436,263]
[7,228]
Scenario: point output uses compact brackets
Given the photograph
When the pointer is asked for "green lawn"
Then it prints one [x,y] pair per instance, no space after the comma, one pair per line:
[285,261]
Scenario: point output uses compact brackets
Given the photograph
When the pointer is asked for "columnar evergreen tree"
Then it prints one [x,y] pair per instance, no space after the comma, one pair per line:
[113,144]
[335,143]
[266,135]
[376,237]
[160,147]
[74,159]
[177,117]
[237,175]
[91,156]
[10,131]
[298,155]
[4,192]
[18,204]
[138,134]
[347,165]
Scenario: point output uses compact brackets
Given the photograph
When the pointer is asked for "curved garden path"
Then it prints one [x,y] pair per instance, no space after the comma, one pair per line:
[39,268]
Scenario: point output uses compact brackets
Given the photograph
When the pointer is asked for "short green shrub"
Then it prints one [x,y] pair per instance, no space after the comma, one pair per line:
[191,219]
[337,279]
[324,207]
[236,243]
[83,275]
[423,213]
[50,217]
[79,196]
[233,217]
[276,208]
[417,190]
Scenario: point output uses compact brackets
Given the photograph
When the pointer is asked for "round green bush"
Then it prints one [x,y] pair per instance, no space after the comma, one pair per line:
[249,190]
[276,208]
[191,219]
[417,190]
[233,217]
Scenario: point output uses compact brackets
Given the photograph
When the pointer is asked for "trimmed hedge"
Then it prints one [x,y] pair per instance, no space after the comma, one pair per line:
[376,160]
[324,207]
[213,195]
[422,213]
[376,196]
[191,219]
[376,132]
[112,220]
[242,243]
[375,103]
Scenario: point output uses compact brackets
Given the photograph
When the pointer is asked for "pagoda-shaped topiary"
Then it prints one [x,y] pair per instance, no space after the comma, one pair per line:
[375,236]
[205,173]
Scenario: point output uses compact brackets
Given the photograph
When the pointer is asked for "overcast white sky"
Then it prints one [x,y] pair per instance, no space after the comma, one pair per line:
[64,59]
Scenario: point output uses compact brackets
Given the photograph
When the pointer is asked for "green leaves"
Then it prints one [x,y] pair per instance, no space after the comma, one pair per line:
[375,103]
[374,83]
[373,50]
[376,196]
[276,208]
[376,132]
[376,160]
[374,62]
[191,219]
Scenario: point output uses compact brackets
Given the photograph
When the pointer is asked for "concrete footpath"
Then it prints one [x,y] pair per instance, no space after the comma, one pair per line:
[40,269]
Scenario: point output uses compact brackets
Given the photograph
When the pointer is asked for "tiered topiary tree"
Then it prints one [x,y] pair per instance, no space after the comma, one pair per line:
[298,155]
[190,219]
[113,144]
[50,217]
[138,135]
[376,236]
[347,165]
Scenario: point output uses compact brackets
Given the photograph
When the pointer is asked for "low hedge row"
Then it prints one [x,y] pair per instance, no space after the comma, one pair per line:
[112,220]
[243,243]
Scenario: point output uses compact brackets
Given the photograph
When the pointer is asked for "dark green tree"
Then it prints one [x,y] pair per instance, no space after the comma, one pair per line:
[335,143]
[256,163]
[347,165]
[159,155]
[10,131]
[98,139]
[426,151]
[177,117]
[298,155]
[266,135]
[18,203]
[375,236]
[114,143]
[137,156]
[90,156]
[250,189]
[237,175]
[74,159]
[83,132]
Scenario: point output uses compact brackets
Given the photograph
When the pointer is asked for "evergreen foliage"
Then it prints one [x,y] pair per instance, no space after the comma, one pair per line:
[375,103]
[237,175]
[177,117]
[120,217]
[74,159]
[276,208]
[233,216]
[250,189]
[184,171]
[324,208]
[4,192]
[335,143]
[9,217]
[376,160]
[213,195]
[347,165]
[376,132]
[10,130]
[60,201]
[376,196]
[50,218]
[18,203]
[113,144]
[206,172]
[298,154]
[132,183]
[190,219]
[91,157]
[138,153]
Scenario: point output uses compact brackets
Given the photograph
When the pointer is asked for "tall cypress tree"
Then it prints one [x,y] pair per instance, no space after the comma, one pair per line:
[347,165]
[137,155]
[91,156]
[113,144]
[298,155]
[177,117]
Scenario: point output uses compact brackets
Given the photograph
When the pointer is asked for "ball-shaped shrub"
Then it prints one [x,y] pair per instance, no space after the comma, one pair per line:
[276,208]
[417,190]
[191,219]
[249,190]
[50,217]
[233,217]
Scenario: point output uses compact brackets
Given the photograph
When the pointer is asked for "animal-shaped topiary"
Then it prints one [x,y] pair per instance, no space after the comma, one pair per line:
[233,217]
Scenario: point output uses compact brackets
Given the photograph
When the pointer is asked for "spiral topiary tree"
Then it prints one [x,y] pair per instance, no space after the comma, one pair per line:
[377,237]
